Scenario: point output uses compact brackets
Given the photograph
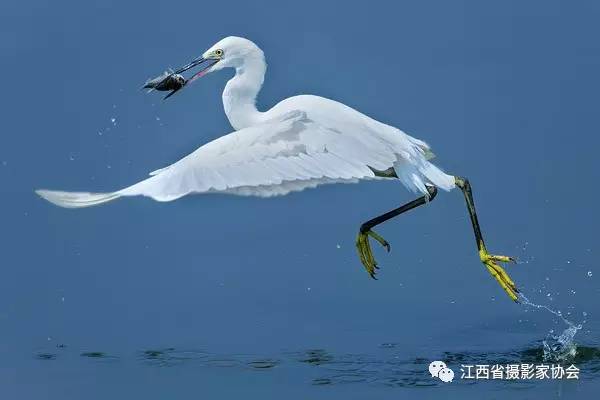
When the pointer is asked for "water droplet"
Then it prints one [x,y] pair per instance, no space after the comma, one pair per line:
[158,118]
[589,274]
[584,314]
[100,133]
[338,246]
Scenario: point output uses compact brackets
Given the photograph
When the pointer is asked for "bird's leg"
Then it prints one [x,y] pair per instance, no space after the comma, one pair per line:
[489,260]
[362,241]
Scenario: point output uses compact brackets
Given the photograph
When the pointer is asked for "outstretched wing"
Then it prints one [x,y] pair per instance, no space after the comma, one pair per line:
[289,153]
[286,154]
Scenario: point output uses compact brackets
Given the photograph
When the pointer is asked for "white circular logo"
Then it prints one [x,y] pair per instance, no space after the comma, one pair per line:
[438,369]
[435,367]
[446,375]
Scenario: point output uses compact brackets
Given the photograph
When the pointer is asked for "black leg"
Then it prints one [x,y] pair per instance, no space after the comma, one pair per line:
[464,185]
[397,211]
[362,242]
[489,260]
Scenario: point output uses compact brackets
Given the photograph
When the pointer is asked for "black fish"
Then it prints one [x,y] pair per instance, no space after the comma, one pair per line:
[165,82]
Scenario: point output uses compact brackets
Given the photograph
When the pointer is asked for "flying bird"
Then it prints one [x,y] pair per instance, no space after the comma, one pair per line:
[302,142]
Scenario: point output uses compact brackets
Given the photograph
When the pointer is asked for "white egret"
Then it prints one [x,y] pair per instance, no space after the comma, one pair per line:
[302,142]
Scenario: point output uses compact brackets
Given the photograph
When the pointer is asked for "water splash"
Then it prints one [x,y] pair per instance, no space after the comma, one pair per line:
[557,348]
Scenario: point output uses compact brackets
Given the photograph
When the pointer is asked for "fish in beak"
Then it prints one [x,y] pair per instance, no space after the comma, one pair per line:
[173,81]
[168,81]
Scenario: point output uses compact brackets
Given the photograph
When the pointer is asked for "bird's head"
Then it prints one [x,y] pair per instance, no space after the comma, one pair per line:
[231,51]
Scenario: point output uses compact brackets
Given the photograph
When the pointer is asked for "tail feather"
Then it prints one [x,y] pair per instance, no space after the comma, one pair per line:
[76,199]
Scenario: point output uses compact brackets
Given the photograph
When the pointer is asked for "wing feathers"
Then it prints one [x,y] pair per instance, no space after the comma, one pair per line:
[279,156]
[289,153]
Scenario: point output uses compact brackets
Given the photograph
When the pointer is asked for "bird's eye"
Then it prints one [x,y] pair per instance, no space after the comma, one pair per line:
[219,52]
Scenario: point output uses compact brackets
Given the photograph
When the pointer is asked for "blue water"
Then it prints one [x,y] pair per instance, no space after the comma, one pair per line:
[224,297]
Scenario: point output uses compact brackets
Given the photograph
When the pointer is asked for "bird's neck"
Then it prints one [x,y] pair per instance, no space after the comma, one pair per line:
[239,96]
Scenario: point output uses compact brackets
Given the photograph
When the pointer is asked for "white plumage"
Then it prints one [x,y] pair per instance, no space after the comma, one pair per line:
[302,142]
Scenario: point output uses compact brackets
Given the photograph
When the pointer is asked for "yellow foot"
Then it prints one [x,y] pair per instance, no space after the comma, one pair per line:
[365,253]
[491,262]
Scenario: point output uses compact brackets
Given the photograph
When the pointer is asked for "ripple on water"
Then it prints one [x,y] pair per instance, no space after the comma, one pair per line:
[263,364]
[334,369]
[389,369]
[313,357]
[45,356]
[170,356]
[98,356]
[93,354]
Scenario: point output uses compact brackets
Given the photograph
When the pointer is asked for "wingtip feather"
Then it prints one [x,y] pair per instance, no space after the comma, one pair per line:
[75,199]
